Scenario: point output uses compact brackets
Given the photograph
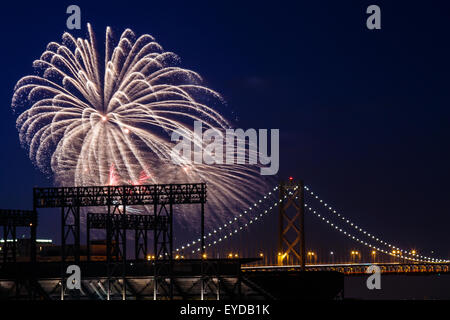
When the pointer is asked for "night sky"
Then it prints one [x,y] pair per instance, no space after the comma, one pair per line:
[363,115]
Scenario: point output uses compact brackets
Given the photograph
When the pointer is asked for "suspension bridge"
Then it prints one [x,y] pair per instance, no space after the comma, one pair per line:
[291,248]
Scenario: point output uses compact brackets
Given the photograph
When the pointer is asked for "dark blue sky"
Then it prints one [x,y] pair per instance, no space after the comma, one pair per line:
[364,115]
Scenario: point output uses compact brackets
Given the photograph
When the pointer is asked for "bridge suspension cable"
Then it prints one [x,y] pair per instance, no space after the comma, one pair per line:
[355,238]
[417,257]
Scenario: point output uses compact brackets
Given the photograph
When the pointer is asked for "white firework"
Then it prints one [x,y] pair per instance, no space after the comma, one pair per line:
[89,120]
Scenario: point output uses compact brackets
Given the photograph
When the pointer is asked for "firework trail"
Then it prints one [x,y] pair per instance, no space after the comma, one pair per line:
[89,118]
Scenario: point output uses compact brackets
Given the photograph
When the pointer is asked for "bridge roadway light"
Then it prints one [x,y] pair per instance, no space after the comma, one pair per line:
[281,257]
[332,256]
[311,255]
[354,254]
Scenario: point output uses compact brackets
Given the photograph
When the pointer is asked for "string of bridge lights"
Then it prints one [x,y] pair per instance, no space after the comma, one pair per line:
[231,222]
[366,233]
[355,238]
[397,252]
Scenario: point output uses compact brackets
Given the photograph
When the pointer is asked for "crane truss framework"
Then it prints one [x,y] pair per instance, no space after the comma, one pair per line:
[117,225]
[119,195]
[10,220]
[116,198]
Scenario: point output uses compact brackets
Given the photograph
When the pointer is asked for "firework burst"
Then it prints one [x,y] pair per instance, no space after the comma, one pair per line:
[89,118]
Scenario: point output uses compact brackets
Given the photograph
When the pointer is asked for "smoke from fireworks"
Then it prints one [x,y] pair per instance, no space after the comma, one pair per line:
[92,118]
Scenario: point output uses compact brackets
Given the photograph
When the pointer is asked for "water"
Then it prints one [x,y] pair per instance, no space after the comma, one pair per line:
[400,287]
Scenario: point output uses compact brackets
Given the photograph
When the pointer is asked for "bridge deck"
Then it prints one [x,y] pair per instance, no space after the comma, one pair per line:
[349,269]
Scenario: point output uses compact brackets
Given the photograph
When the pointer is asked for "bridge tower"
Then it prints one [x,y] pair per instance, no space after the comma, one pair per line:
[291,222]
